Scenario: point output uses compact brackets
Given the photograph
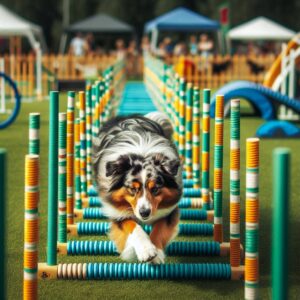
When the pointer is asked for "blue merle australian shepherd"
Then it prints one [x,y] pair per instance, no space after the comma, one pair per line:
[139,178]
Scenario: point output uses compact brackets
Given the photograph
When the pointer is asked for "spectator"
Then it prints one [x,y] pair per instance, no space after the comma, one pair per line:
[168,46]
[161,51]
[120,49]
[180,49]
[205,45]
[78,46]
[193,47]
[132,56]
[145,45]
[90,41]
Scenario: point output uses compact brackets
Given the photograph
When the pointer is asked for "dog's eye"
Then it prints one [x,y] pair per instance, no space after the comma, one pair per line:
[132,191]
[155,191]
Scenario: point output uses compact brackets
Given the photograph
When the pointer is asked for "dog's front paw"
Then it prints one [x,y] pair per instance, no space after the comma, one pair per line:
[160,258]
[147,252]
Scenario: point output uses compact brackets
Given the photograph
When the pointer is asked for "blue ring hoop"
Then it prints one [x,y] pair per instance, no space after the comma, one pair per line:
[16,110]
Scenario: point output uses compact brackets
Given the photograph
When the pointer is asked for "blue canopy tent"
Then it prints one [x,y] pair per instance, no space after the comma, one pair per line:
[179,19]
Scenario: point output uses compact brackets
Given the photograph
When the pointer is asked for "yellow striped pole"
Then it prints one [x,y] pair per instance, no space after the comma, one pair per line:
[235,240]
[218,169]
[196,138]
[188,131]
[82,115]
[252,219]
[31,227]
[70,158]
[205,149]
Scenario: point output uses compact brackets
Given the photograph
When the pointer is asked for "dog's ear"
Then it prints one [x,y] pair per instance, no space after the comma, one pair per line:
[118,167]
[171,166]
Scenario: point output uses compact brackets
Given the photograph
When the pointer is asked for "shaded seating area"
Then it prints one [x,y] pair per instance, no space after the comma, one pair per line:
[179,20]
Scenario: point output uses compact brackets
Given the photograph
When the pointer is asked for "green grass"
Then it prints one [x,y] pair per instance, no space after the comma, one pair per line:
[15,140]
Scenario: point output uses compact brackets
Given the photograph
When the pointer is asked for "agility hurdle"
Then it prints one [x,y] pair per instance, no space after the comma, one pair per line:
[55,248]
[93,271]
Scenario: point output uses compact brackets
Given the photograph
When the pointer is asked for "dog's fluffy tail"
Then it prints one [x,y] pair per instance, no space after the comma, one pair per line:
[163,121]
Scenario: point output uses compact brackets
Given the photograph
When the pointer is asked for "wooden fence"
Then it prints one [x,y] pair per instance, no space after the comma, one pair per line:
[215,71]
[22,69]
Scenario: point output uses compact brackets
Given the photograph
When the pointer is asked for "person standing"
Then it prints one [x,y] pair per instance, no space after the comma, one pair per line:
[78,46]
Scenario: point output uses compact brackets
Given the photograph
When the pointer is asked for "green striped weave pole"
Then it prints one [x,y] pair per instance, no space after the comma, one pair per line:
[188,131]
[78,203]
[235,239]
[218,169]
[97,108]
[62,179]
[105,96]
[182,105]
[70,157]
[94,106]
[205,149]
[34,133]
[164,91]
[2,222]
[196,138]
[101,102]
[176,109]
[82,115]
[52,179]
[252,219]
[280,255]
[89,136]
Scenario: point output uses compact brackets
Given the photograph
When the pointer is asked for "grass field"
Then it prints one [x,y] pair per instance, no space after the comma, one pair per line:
[15,140]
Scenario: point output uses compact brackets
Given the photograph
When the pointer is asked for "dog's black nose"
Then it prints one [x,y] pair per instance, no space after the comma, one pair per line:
[145,212]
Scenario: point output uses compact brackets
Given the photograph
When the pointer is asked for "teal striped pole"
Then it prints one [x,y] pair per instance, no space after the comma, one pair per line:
[101,100]
[89,136]
[34,133]
[182,104]
[2,223]
[70,157]
[78,202]
[94,107]
[252,220]
[82,114]
[281,194]
[62,179]
[196,138]
[188,131]
[52,179]
[176,109]
[235,222]
[205,149]
[218,169]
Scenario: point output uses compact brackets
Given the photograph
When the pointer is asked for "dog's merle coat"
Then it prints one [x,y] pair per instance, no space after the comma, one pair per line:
[136,149]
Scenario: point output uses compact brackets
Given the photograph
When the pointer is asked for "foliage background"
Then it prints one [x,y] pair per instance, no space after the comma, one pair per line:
[48,13]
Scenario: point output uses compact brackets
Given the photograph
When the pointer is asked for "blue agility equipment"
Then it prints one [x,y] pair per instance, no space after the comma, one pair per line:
[263,99]
[207,248]
[17,107]
[278,129]
[136,100]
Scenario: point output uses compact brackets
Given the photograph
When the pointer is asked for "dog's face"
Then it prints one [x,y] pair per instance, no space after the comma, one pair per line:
[144,185]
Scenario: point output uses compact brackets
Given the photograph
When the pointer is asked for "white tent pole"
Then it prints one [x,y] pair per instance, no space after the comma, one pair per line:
[292,74]
[154,39]
[2,107]
[38,70]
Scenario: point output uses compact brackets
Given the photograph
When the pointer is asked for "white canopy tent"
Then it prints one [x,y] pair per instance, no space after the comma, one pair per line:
[14,25]
[262,29]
